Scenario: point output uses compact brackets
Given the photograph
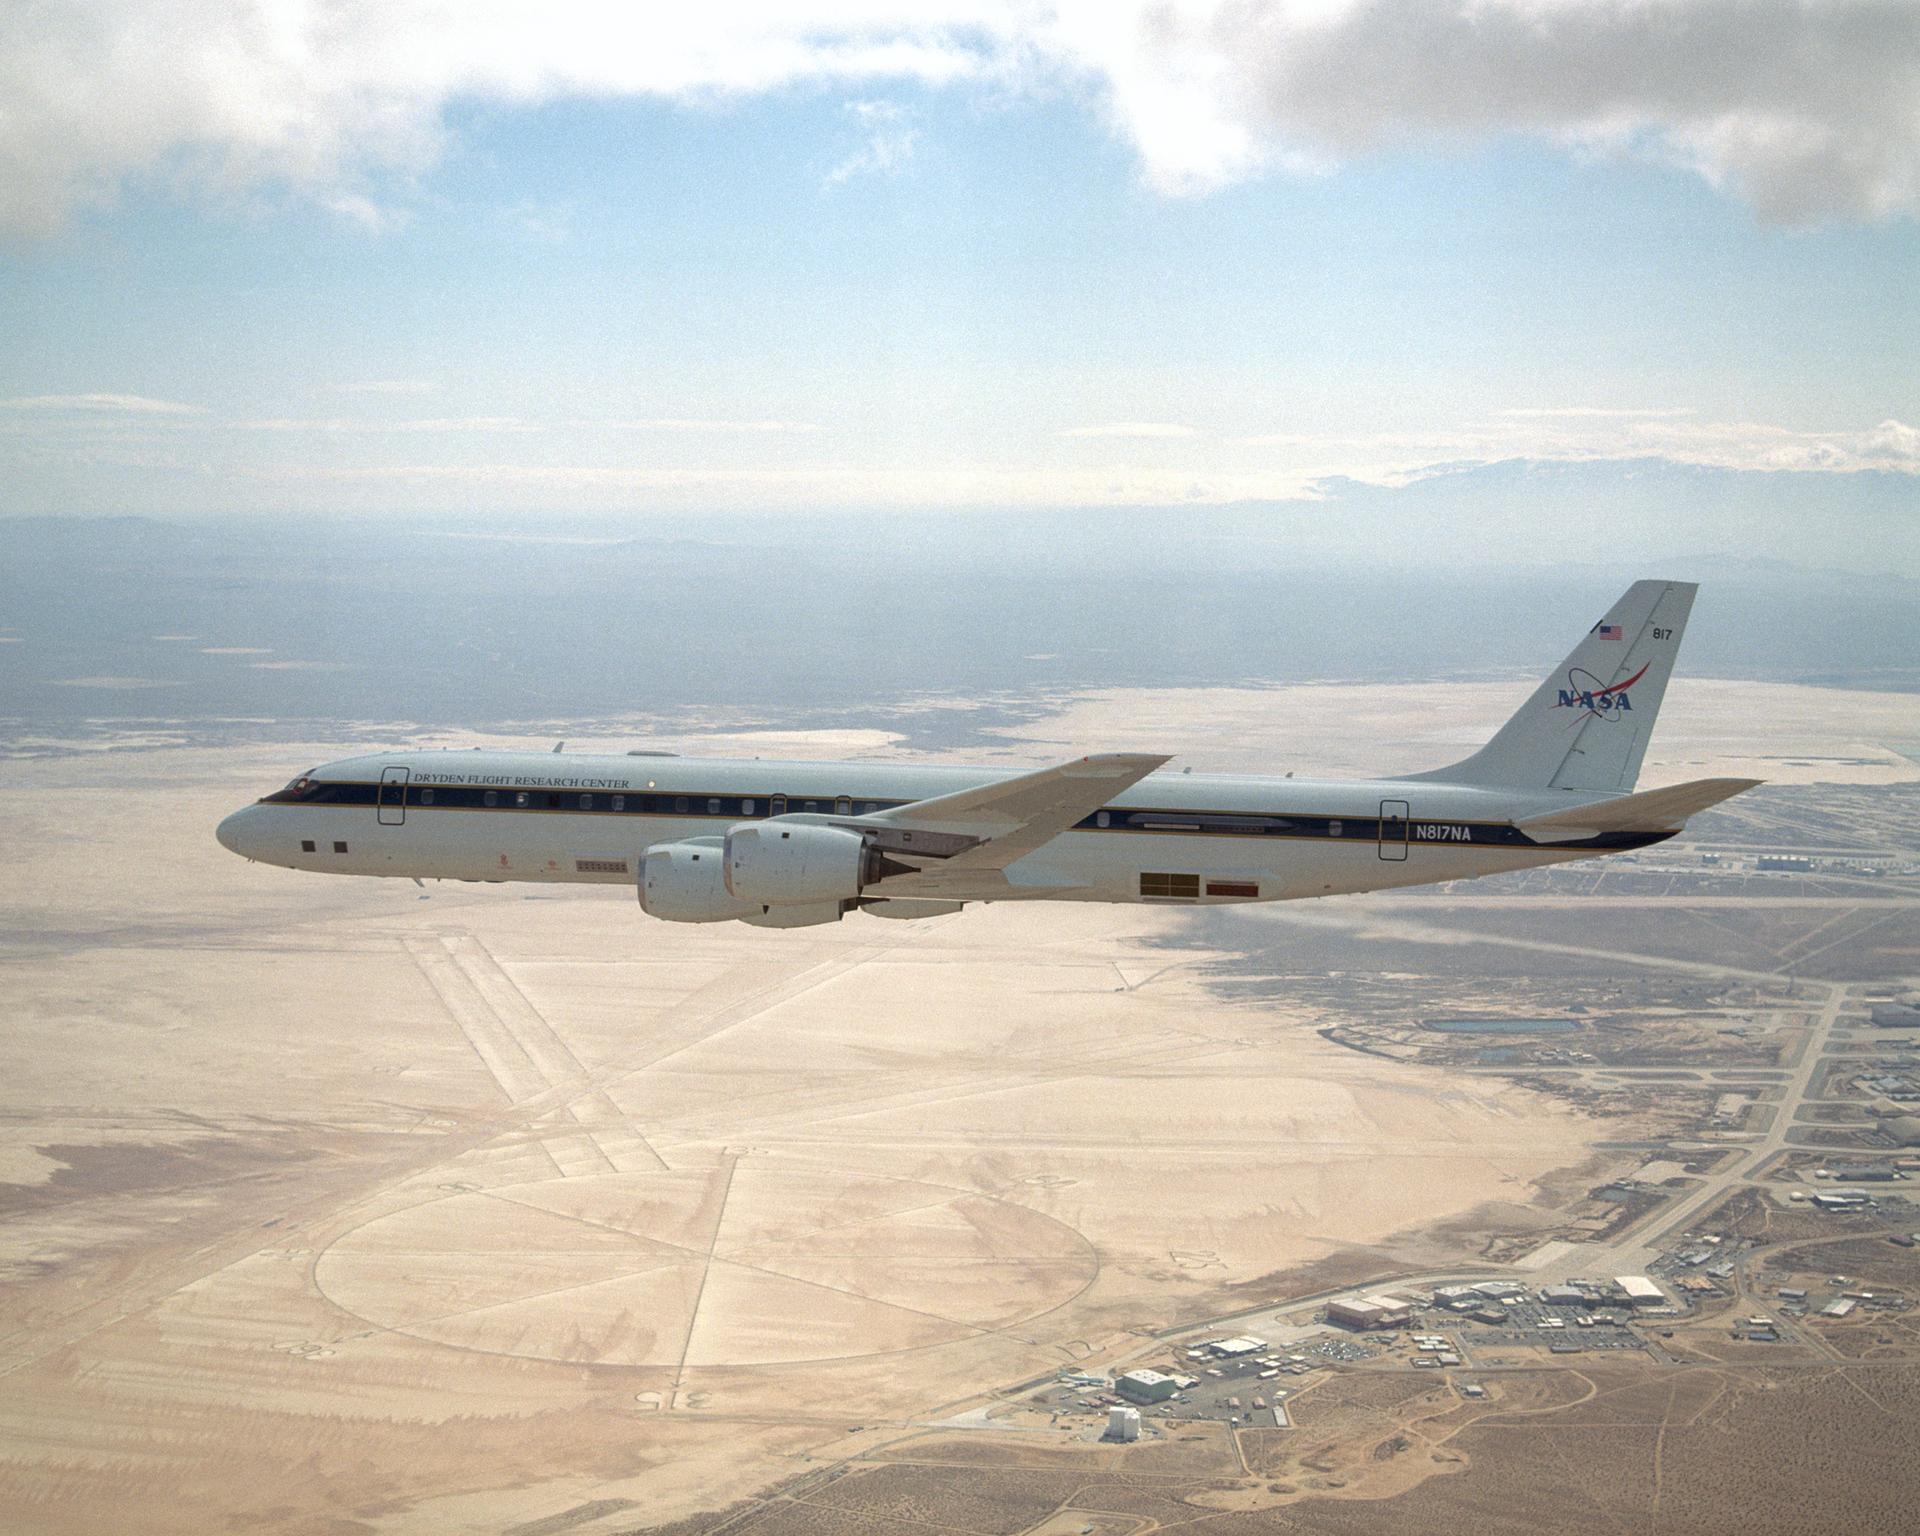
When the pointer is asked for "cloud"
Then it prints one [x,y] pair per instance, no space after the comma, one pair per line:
[1577,435]
[700,424]
[120,684]
[325,98]
[101,404]
[1892,445]
[387,387]
[1131,429]
[420,424]
[1593,412]
[579,485]
[1801,107]
[889,144]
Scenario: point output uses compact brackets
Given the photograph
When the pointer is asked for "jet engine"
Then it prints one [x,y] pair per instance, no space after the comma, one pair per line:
[685,883]
[770,862]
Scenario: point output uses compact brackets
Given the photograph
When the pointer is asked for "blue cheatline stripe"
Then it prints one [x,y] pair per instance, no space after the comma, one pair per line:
[1165,821]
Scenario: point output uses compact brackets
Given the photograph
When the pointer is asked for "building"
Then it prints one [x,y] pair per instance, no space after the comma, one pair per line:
[1370,1312]
[1123,1424]
[1393,1311]
[1144,1386]
[1233,1349]
[1563,1296]
[1839,1308]
[1640,1291]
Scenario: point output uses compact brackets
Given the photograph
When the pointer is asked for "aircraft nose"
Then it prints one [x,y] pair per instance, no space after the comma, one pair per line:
[235,832]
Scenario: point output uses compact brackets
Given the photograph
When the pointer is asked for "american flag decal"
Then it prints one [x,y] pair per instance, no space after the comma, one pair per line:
[1607,631]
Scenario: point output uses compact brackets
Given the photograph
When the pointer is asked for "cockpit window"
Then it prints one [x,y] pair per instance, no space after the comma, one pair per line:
[306,787]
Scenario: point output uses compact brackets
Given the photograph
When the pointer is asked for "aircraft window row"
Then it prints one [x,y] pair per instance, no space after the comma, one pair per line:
[317,792]
[311,791]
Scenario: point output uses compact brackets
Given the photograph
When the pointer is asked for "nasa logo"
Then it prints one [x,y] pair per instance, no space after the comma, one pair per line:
[1586,692]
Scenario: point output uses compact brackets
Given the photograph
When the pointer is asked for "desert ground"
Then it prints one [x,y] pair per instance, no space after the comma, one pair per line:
[341,1205]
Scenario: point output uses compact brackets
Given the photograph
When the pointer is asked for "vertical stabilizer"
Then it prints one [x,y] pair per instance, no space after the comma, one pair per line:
[1586,727]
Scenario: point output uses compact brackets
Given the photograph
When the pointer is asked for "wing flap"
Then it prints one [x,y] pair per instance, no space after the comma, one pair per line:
[1012,817]
[1654,810]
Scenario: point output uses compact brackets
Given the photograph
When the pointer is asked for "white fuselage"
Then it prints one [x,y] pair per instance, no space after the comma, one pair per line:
[1173,838]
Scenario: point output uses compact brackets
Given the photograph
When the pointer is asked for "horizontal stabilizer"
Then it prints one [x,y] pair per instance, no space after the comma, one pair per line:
[1655,810]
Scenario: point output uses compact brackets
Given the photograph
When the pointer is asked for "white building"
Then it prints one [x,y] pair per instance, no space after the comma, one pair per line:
[1144,1386]
[1123,1424]
[1232,1349]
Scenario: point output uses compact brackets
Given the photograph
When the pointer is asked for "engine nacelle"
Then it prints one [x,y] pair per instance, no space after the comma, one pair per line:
[907,910]
[798,914]
[686,883]
[770,862]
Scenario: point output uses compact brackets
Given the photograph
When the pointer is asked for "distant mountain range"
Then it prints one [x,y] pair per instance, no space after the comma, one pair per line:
[1490,570]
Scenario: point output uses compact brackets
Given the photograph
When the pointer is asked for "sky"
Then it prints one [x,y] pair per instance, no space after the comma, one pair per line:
[343,259]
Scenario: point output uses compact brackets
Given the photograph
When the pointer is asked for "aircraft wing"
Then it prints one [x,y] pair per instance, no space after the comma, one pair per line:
[1655,810]
[983,830]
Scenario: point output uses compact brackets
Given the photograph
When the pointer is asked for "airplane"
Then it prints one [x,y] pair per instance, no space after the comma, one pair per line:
[793,844]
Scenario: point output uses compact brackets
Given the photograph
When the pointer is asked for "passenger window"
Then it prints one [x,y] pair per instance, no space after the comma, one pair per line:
[680,803]
[1103,820]
[619,802]
[813,805]
[586,802]
[553,802]
[746,807]
[713,807]
[778,806]
[491,797]
[424,797]
[868,807]
[1333,829]
[521,798]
